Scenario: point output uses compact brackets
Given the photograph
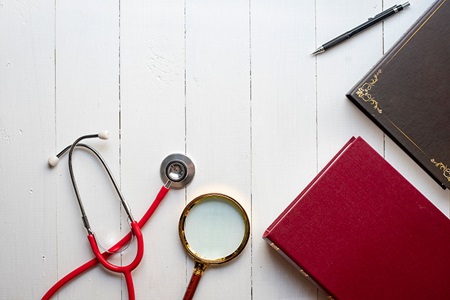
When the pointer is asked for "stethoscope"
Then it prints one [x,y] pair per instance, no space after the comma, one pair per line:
[176,171]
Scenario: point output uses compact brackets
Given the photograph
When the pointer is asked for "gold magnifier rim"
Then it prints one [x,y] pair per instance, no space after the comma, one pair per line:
[187,246]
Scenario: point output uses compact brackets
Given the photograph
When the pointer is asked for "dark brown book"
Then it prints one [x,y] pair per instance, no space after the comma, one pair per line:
[407,93]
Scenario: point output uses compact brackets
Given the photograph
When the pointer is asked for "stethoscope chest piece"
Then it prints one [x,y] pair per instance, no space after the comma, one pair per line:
[178,169]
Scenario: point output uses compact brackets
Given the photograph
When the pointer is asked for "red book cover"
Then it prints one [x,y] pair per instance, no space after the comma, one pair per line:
[360,230]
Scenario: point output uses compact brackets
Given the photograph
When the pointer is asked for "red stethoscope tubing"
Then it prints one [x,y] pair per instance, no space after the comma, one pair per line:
[115,268]
[88,265]
[125,270]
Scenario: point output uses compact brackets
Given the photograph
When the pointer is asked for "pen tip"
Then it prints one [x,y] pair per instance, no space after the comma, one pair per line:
[318,51]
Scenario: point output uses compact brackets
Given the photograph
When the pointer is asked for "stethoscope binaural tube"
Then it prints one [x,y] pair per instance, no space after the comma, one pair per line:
[135,229]
[54,160]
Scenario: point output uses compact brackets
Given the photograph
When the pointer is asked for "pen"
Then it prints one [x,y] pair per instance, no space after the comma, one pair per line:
[372,21]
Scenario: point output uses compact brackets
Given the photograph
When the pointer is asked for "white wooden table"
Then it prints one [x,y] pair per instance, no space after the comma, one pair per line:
[230,83]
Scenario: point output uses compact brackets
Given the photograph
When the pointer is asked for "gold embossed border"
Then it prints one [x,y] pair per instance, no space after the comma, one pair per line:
[363,92]
[444,168]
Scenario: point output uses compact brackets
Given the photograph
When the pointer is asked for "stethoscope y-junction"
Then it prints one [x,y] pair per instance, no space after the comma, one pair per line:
[176,171]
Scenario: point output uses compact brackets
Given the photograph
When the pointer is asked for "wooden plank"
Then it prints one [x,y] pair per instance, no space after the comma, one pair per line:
[218,123]
[153,126]
[339,69]
[87,101]
[284,128]
[28,220]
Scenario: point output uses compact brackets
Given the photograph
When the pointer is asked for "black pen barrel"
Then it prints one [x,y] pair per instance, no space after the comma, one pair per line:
[336,40]
[372,21]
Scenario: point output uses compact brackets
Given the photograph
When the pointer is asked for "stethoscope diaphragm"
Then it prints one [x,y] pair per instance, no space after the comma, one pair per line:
[178,169]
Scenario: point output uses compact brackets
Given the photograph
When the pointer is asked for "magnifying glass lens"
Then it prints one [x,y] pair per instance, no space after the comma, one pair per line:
[214,228]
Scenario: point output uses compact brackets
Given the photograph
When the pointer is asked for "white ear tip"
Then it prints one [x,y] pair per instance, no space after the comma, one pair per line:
[53,161]
[104,135]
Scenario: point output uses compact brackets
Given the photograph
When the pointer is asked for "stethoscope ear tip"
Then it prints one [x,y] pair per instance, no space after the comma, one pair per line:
[103,135]
[53,161]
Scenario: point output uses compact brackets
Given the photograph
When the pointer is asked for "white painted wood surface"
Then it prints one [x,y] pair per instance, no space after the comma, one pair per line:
[230,83]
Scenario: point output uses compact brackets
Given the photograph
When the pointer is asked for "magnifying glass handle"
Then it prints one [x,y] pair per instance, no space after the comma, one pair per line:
[199,268]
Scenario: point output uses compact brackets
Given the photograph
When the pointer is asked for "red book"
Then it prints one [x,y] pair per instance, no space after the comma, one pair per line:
[360,230]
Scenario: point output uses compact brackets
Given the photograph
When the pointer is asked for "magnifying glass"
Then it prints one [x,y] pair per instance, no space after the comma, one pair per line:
[214,229]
